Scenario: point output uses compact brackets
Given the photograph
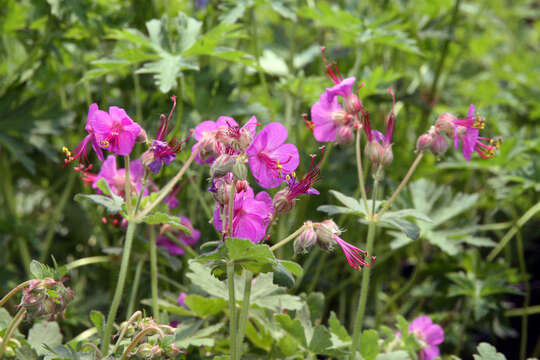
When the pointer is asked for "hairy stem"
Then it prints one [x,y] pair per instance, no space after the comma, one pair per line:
[87,261]
[402,184]
[13,325]
[244,312]
[119,291]
[508,236]
[288,238]
[232,310]
[168,187]
[14,291]
[154,272]
[135,286]
[365,277]
[127,185]
[360,170]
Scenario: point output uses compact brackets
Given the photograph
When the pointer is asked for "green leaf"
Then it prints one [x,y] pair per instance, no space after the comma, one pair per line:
[201,276]
[488,352]
[188,334]
[369,347]
[320,341]
[41,271]
[349,202]
[44,333]
[338,329]
[203,306]
[293,267]
[283,277]
[394,355]
[163,218]
[293,327]
[411,230]
[266,294]
[255,257]
[315,303]
[5,318]
[188,30]
[112,204]
[98,319]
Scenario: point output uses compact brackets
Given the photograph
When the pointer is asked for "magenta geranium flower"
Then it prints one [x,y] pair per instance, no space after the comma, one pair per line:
[115,131]
[270,159]
[116,178]
[327,116]
[251,215]
[430,336]
[188,240]
[80,150]
[208,145]
[467,131]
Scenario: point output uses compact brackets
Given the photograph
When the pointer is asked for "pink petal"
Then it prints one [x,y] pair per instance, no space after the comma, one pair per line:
[226,121]
[344,88]
[93,108]
[288,157]
[126,140]
[434,334]
[420,323]
[431,353]
[251,126]
[205,126]
[119,114]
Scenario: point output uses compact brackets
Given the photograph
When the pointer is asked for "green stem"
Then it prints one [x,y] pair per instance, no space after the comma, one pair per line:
[402,184]
[231,208]
[119,291]
[14,291]
[143,187]
[288,238]
[168,187]
[87,261]
[232,310]
[360,169]
[244,312]
[365,276]
[135,286]
[508,236]
[524,275]
[55,217]
[153,273]
[127,185]
[13,325]
[138,339]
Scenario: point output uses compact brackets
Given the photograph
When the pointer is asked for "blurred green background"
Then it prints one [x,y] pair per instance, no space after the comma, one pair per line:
[262,58]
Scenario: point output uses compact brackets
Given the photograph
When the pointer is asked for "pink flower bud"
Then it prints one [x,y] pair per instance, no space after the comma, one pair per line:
[325,233]
[445,123]
[373,152]
[387,155]
[222,165]
[439,145]
[306,240]
[281,202]
[344,135]
[424,142]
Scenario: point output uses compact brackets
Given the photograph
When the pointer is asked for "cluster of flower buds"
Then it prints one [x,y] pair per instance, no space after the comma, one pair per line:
[148,339]
[326,234]
[465,131]
[45,298]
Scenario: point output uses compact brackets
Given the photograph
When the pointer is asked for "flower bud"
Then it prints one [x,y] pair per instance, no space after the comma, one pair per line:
[306,240]
[221,189]
[46,298]
[144,351]
[325,234]
[344,134]
[281,202]
[353,104]
[222,165]
[373,152]
[387,155]
[141,136]
[439,145]
[424,142]
[239,170]
[445,123]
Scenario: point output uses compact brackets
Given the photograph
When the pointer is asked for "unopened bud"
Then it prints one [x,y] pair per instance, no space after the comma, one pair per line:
[439,145]
[387,155]
[222,165]
[424,142]
[325,233]
[144,351]
[373,152]
[141,136]
[239,170]
[344,134]
[353,104]
[306,240]
[445,123]
[282,204]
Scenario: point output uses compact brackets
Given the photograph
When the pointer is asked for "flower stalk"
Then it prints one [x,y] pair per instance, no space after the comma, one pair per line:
[360,170]
[154,272]
[244,312]
[13,325]
[14,291]
[232,311]
[288,238]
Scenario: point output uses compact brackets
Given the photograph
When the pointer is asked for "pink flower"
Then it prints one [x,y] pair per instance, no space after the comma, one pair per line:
[207,142]
[467,130]
[181,299]
[116,178]
[80,151]
[115,131]
[270,159]
[251,215]
[188,240]
[429,334]
[327,116]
